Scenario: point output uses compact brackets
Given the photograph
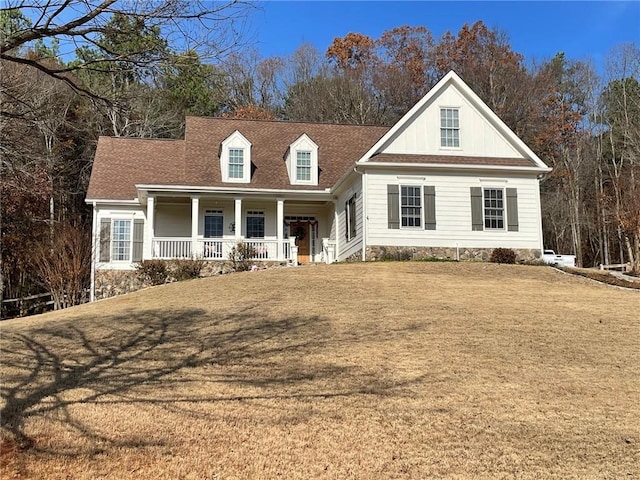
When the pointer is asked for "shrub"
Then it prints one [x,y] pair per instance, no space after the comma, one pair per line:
[241,256]
[153,272]
[186,269]
[503,255]
[63,264]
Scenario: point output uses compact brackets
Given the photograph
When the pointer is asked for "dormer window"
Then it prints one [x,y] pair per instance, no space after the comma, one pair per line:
[235,159]
[236,163]
[450,127]
[303,166]
[302,161]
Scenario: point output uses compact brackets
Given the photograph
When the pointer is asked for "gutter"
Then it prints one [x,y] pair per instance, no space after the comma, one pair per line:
[440,166]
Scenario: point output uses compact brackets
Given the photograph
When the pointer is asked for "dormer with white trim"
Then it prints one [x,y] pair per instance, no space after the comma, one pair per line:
[302,161]
[235,159]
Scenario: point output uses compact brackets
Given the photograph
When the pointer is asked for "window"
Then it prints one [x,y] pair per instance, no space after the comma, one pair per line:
[493,208]
[255,224]
[302,161]
[235,159]
[350,218]
[213,224]
[121,241]
[236,163]
[303,166]
[410,206]
[449,128]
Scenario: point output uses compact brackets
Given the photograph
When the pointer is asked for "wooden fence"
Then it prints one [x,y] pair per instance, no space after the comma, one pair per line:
[623,267]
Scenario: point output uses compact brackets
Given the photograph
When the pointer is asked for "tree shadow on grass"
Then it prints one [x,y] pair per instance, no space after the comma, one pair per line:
[146,357]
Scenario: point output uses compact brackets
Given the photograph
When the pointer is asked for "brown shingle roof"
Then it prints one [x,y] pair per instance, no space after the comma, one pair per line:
[339,147]
[121,163]
[451,160]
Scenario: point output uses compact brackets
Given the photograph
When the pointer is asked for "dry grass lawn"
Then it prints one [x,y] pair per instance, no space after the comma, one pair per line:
[357,371]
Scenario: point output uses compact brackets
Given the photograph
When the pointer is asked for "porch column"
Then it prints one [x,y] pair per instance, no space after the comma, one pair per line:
[195,210]
[150,230]
[279,228]
[238,218]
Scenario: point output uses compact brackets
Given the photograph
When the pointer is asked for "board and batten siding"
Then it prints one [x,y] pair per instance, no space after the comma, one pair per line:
[453,212]
[478,135]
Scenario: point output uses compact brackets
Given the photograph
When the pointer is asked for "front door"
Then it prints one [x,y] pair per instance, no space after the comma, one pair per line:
[301,232]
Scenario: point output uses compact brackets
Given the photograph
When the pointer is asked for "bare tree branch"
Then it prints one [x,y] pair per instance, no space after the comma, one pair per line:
[210,28]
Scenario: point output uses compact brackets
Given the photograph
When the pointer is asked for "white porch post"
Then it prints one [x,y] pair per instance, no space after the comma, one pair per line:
[238,218]
[195,209]
[279,228]
[150,229]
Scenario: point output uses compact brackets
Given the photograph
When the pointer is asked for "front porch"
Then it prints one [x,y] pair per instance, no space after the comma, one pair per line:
[210,227]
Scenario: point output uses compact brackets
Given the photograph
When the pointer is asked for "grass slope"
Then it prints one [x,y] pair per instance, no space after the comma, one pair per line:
[389,370]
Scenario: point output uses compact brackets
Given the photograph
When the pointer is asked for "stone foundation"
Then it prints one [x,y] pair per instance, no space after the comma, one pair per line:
[376,253]
[110,283]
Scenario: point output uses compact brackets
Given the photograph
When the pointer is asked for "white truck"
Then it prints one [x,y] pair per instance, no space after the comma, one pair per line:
[552,258]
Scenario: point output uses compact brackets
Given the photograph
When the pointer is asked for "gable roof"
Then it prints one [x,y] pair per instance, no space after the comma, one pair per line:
[122,163]
[452,79]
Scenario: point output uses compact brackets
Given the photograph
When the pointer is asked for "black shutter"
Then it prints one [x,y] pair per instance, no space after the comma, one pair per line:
[393,206]
[477,222]
[346,220]
[138,240]
[105,240]
[429,207]
[352,217]
[512,209]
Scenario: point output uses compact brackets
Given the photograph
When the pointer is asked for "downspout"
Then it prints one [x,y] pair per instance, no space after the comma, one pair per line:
[337,224]
[364,212]
[539,211]
[92,288]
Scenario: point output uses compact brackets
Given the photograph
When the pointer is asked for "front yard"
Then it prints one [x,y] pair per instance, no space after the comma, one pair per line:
[363,371]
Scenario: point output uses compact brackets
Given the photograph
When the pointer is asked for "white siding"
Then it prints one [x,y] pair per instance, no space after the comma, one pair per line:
[348,248]
[172,220]
[453,212]
[478,136]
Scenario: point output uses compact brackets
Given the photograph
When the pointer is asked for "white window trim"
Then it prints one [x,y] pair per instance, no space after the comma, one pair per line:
[310,166]
[504,209]
[421,196]
[443,147]
[303,144]
[236,141]
[130,241]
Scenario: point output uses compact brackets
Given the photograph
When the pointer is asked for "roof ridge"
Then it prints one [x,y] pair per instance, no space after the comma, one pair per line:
[289,122]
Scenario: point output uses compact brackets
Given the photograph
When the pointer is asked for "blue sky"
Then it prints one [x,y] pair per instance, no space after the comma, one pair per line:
[583,30]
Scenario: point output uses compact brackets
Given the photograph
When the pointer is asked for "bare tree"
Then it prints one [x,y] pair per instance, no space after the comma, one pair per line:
[209,28]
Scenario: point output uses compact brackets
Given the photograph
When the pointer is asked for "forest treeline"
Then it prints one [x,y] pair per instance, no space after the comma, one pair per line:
[132,80]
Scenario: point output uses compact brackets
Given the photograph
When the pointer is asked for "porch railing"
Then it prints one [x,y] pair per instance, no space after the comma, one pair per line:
[220,249]
[171,247]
